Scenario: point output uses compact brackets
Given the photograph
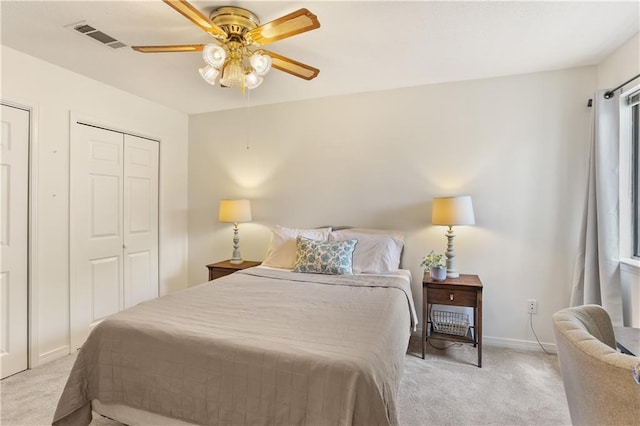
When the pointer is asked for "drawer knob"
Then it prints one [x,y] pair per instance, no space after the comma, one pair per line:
[451,296]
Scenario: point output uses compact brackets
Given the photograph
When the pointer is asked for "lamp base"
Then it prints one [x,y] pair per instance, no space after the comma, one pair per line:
[236,257]
[451,255]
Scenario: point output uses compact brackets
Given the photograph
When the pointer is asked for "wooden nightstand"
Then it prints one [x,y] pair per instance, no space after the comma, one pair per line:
[221,269]
[465,290]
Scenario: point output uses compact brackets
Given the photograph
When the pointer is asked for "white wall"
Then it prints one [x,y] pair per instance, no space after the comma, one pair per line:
[55,93]
[517,144]
[617,68]
[620,65]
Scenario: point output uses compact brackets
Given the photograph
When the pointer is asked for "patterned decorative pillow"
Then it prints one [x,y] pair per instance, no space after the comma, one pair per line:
[320,257]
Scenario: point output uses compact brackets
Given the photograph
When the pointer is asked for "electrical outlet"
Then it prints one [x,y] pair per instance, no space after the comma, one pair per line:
[532,306]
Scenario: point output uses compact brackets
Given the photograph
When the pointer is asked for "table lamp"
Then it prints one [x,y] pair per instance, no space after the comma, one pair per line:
[452,211]
[235,211]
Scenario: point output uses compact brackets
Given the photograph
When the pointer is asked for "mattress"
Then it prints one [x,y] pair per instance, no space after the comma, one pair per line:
[260,346]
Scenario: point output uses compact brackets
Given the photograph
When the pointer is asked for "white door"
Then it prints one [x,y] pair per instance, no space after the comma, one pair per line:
[14,190]
[96,274]
[140,220]
[113,225]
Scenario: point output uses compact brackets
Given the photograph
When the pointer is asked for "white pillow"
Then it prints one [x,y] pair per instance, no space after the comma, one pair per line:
[281,252]
[377,251]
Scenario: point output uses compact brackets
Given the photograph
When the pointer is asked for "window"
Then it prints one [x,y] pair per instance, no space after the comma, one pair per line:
[630,175]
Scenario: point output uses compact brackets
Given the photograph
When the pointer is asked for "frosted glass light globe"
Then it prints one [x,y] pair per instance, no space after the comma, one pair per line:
[214,55]
[260,63]
[232,74]
[209,74]
[252,80]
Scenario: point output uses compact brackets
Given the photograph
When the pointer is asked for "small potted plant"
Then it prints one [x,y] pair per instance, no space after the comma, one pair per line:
[435,264]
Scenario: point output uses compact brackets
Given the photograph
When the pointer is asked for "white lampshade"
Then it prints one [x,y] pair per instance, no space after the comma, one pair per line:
[260,63]
[235,211]
[214,55]
[451,211]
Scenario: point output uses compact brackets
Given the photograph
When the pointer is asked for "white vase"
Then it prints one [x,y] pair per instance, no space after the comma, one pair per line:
[438,273]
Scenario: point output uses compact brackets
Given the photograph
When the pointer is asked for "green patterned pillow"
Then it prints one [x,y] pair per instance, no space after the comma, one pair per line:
[324,257]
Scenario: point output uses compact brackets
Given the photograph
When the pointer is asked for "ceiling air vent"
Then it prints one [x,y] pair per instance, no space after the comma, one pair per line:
[90,31]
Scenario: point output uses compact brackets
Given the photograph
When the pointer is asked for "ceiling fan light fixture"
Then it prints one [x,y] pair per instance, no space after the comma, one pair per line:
[252,80]
[209,74]
[214,55]
[261,63]
[235,56]
[232,74]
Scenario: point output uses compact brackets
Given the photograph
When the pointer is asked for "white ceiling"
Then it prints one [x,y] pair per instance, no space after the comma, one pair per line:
[361,46]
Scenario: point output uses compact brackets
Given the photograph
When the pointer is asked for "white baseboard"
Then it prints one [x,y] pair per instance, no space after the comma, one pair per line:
[508,343]
[54,354]
[518,344]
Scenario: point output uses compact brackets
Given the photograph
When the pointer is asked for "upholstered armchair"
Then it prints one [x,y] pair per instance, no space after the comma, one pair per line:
[598,380]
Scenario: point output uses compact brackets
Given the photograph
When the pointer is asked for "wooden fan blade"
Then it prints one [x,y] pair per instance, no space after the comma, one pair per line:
[167,49]
[293,67]
[289,25]
[194,15]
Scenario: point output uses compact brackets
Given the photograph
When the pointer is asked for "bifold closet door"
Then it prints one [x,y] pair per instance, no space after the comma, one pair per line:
[140,220]
[14,192]
[113,225]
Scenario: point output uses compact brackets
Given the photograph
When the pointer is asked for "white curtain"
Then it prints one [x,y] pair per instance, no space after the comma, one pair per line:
[596,278]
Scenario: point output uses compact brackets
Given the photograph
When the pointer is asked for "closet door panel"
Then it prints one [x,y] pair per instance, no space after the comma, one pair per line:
[105,272]
[96,226]
[140,220]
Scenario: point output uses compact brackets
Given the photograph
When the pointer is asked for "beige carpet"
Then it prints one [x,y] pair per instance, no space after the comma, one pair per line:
[512,388]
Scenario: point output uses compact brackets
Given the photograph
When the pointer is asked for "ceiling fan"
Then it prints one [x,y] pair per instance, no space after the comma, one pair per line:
[235,54]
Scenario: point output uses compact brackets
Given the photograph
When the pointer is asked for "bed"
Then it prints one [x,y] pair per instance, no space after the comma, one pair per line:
[261,346]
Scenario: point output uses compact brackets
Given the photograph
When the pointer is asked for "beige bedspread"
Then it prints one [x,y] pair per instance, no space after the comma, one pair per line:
[257,347]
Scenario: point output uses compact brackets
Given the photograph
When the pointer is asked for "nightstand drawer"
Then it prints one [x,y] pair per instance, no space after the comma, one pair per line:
[215,274]
[441,296]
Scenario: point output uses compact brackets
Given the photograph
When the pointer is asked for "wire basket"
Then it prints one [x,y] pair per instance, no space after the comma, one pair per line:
[450,322]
